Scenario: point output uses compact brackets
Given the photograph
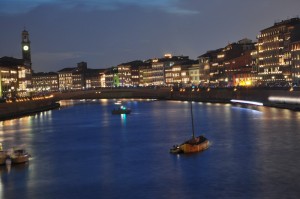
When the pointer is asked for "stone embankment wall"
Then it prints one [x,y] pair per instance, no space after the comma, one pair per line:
[222,95]
[158,93]
[214,94]
[18,109]
[226,94]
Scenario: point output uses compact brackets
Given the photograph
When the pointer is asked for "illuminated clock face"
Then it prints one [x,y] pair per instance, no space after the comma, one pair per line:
[25,47]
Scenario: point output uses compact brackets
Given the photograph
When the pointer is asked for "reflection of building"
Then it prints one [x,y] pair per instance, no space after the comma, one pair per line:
[274,56]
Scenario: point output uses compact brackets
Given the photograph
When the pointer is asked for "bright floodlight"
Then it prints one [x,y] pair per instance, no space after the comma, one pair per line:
[247,102]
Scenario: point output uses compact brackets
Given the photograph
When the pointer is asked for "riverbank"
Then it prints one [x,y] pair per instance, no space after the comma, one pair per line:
[278,98]
[18,109]
[282,98]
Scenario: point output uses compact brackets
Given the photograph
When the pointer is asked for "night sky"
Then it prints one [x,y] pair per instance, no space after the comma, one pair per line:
[105,33]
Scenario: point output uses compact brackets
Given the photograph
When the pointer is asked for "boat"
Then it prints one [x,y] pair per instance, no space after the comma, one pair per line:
[193,145]
[121,110]
[3,155]
[19,155]
[118,102]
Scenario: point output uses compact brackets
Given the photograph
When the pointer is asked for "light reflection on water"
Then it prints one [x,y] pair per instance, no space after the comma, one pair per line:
[83,151]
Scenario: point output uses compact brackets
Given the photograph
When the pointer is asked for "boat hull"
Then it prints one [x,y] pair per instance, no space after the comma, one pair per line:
[2,160]
[193,148]
[20,159]
[3,157]
[119,112]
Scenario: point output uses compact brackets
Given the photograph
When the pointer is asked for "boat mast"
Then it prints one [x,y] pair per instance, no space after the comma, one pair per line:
[192,119]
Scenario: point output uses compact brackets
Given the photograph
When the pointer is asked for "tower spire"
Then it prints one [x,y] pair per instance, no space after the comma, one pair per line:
[26,50]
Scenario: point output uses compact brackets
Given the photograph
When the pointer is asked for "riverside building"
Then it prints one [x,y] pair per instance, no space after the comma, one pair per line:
[228,66]
[295,59]
[80,78]
[45,82]
[275,62]
[9,76]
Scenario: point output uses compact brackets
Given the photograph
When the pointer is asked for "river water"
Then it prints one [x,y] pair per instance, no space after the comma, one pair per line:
[83,151]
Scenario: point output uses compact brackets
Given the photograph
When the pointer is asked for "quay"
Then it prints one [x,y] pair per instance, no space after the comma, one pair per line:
[285,98]
[22,107]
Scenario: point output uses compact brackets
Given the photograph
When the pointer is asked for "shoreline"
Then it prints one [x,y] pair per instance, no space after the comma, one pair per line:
[18,109]
[214,95]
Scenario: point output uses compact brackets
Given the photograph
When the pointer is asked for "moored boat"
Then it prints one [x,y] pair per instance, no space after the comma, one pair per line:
[118,102]
[19,156]
[3,157]
[193,145]
[121,110]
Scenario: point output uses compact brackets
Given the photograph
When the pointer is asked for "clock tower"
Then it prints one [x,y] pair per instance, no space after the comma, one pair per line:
[26,55]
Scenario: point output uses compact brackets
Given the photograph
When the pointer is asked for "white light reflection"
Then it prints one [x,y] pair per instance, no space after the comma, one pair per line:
[247,102]
[253,111]
[284,99]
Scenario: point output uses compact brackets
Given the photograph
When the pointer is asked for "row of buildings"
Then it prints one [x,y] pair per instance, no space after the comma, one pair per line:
[272,60]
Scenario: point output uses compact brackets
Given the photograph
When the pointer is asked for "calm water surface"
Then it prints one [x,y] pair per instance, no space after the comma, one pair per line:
[83,151]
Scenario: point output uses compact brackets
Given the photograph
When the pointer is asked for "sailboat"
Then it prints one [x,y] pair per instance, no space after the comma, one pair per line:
[193,145]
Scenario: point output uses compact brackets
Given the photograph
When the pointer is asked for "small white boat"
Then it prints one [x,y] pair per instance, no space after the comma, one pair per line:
[3,157]
[19,155]
[118,102]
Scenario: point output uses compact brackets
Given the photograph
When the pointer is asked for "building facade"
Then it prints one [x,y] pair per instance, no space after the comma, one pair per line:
[12,75]
[274,55]
[65,79]
[45,82]
[295,59]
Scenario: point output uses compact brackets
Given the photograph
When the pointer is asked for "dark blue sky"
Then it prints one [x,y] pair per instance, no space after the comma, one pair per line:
[105,33]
